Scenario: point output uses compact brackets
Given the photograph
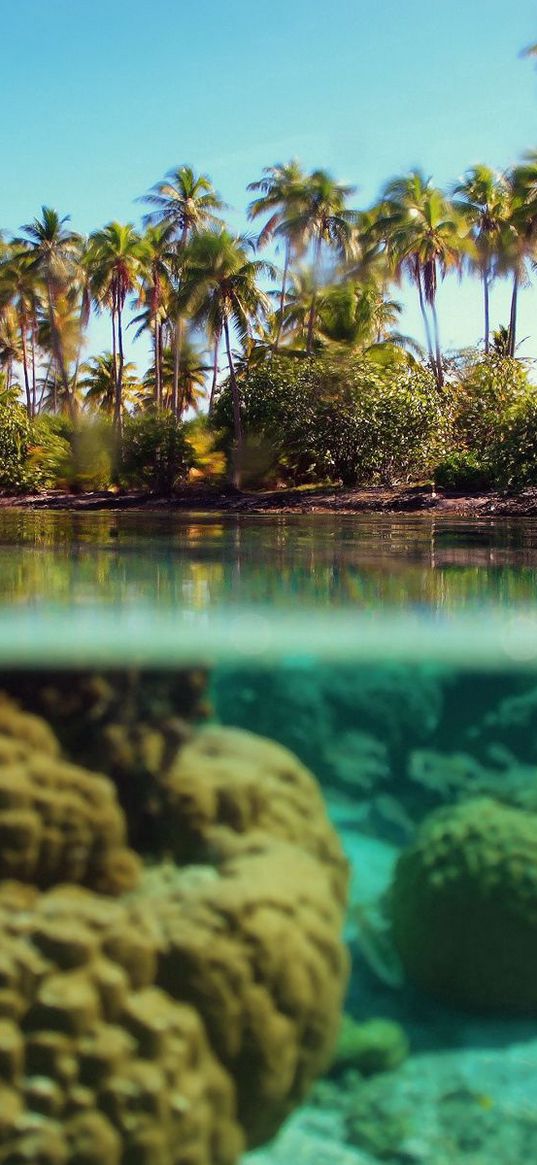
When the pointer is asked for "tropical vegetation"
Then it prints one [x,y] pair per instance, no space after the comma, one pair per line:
[285,342]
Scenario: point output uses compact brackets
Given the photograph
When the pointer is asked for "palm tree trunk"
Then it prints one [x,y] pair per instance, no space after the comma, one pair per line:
[428,338]
[178,344]
[438,358]
[25,366]
[33,331]
[57,346]
[118,412]
[313,308]
[236,471]
[511,346]
[156,359]
[486,304]
[215,373]
[282,293]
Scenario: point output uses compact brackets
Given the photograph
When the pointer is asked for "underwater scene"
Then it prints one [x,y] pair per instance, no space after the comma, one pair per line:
[283,908]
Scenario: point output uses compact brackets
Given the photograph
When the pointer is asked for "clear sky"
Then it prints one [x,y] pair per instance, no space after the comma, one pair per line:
[99,99]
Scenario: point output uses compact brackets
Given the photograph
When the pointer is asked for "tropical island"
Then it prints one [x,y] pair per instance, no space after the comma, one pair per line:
[269,385]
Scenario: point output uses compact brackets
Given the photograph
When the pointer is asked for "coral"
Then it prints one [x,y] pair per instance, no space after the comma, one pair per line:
[448,777]
[227,783]
[97,1064]
[190,1015]
[58,822]
[127,724]
[377,1045]
[464,906]
[353,725]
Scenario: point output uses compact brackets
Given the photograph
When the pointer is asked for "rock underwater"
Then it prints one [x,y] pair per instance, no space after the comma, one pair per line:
[176,1014]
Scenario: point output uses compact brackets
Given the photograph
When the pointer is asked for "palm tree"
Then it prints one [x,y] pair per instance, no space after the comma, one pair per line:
[115,259]
[185,203]
[10,345]
[320,217]
[220,289]
[282,196]
[519,238]
[424,238]
[55,254]
[192,375]
[155,295]
[483,198]
[98,383]
[18,286]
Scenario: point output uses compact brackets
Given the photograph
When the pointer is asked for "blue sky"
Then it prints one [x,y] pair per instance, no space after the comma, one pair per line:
[97,101]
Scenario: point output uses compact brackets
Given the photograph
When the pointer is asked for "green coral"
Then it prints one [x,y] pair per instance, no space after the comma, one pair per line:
[464,906]
[377,1045]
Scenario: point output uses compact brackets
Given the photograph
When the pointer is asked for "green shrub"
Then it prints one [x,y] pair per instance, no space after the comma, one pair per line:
[156,454]
[486,389]
[461,469]
[74,456]
[341,418]
[17,474]
[513,454]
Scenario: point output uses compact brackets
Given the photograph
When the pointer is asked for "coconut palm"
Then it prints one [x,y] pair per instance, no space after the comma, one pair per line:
[98,384]
[192,378]
[155,293]
[424,238]
[519,238]
[320,218]
[55,253]
[281,198]
[10,344]
[18,286]
[115,258]
[220,290]
[483,197]
[184,203]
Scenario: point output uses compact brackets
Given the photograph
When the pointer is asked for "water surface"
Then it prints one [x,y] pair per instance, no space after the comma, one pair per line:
[203,562]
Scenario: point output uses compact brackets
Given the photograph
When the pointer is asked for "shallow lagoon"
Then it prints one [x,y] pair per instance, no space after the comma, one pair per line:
[397,659]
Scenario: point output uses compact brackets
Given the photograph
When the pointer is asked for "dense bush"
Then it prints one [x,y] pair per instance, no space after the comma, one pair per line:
[71,455]
[342,418]
[156,453]
[513,454]
[17,475]
[483,391]
[461,469]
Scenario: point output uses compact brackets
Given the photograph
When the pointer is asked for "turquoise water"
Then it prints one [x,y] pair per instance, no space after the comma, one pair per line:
[397,660]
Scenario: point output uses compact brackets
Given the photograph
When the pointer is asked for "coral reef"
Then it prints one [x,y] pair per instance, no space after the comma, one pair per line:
[127,724]
[464,906]
[352,726]
[58,822]
[187,1017]
[97,1065]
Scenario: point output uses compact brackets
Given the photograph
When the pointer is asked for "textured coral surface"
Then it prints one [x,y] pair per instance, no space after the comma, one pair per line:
[58,822]
[464,906]
[184,1018]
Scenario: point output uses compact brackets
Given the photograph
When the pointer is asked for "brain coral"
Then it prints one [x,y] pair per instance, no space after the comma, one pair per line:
[125,723]
[97,1065]
[464,906]
[185,1019]
[58,822]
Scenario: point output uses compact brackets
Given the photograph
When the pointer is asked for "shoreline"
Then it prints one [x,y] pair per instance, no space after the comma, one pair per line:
[417,499]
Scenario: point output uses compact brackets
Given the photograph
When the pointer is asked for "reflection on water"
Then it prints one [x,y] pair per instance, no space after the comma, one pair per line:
[199,562]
